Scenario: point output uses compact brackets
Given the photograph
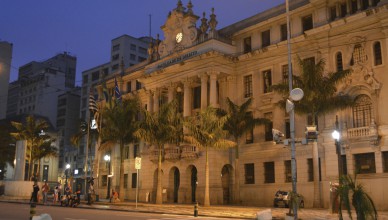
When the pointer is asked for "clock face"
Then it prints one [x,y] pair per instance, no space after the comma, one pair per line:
[179,37]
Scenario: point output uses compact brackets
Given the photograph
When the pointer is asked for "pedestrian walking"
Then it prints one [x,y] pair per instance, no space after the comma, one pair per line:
[55,195]
[34,194]
[45,189]
[91,193]
[59,185]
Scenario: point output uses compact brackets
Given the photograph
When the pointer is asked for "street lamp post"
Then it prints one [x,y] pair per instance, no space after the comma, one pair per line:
[107,159]
[336,136]
[66,174]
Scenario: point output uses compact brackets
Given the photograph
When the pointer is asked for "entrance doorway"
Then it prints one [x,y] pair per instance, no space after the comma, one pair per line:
[226,179]
[193,184]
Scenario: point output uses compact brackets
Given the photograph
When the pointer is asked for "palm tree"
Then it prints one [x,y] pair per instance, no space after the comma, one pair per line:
[240,121]
[206,130]
[29,131]
[320,97]
[352,193]
[160,128]
[119,126]
[44,149]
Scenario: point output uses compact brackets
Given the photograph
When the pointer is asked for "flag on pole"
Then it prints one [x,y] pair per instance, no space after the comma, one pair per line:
[117,92]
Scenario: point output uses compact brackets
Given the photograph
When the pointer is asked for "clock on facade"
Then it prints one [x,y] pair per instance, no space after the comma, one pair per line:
[179,37]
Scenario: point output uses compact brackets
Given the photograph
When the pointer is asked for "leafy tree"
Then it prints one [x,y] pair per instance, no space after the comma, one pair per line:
[160,128]
[240,122]
[119,127]
[206,130]
[352,193]
[320,97]
[29,131]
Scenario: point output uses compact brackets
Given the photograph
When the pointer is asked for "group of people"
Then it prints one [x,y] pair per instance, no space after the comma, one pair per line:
[67,193]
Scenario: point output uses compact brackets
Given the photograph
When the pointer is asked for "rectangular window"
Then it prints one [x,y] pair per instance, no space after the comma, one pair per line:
[353,4]
[285,73]
[142,50]
[265,38]
[247,45]
[385,161]
[116,47]
[269,172]
[126,152]
[125,181]
[365,163]
[344,165]
[333,13]
[115,67]
[267,79]
[310,120]
[129,86]
[343,10]
[249,134]
[197,97]
[287,128]
[133,47]
[249,173]
[85,79]
[287,171]
[365,4]
[283,32]
[134,180]
[104,180]
[115,57]
[307,23]
[248,86]
[45,172]
[136,151]
[268,127]
[310,170]
[95,75]
[138,85]
[132,57]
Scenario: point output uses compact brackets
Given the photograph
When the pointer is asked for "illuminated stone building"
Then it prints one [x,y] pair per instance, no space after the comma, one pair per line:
[203,65]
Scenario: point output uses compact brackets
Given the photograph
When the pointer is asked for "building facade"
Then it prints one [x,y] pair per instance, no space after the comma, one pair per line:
[202,66]
[5,70]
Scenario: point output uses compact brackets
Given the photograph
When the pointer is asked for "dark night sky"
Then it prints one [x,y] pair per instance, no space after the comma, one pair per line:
[40,29]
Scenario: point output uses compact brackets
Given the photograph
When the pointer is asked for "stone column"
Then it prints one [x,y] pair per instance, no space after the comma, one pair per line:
[21,150]
[187,90]
[204,79]
[149,101]
[348,6]
[213,89]
[156,100]
[171,92]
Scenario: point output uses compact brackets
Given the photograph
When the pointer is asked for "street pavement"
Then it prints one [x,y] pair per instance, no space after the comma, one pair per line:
[227,211]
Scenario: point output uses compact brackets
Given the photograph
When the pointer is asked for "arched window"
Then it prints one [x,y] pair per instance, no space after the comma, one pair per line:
[377,53]
[362,111]
[338,60]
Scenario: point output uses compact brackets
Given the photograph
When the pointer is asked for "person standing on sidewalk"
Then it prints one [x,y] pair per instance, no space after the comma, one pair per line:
[45,189]
[34,194]
[90,193]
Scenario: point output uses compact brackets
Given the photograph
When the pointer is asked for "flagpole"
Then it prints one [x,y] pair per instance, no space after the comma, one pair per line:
[87,157]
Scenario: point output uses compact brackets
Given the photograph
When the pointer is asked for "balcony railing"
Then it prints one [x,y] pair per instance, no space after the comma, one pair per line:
[358,132]
[189,152]
[154,155]
[368,133]
[172,153]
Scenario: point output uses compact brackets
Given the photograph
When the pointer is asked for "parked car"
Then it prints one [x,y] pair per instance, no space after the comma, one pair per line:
[282,199]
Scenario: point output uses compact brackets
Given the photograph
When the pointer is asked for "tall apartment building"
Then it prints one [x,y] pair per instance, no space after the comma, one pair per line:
[243,60]
[5,70]
[125,51]
[40,83]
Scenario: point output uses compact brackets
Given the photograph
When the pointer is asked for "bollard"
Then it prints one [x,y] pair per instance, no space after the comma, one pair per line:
[32,210]
[196,209]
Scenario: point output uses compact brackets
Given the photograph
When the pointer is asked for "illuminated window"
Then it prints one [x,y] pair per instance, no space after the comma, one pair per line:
[362,111]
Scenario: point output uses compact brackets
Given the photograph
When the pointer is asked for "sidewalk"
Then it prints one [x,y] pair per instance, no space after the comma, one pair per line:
[236,212]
